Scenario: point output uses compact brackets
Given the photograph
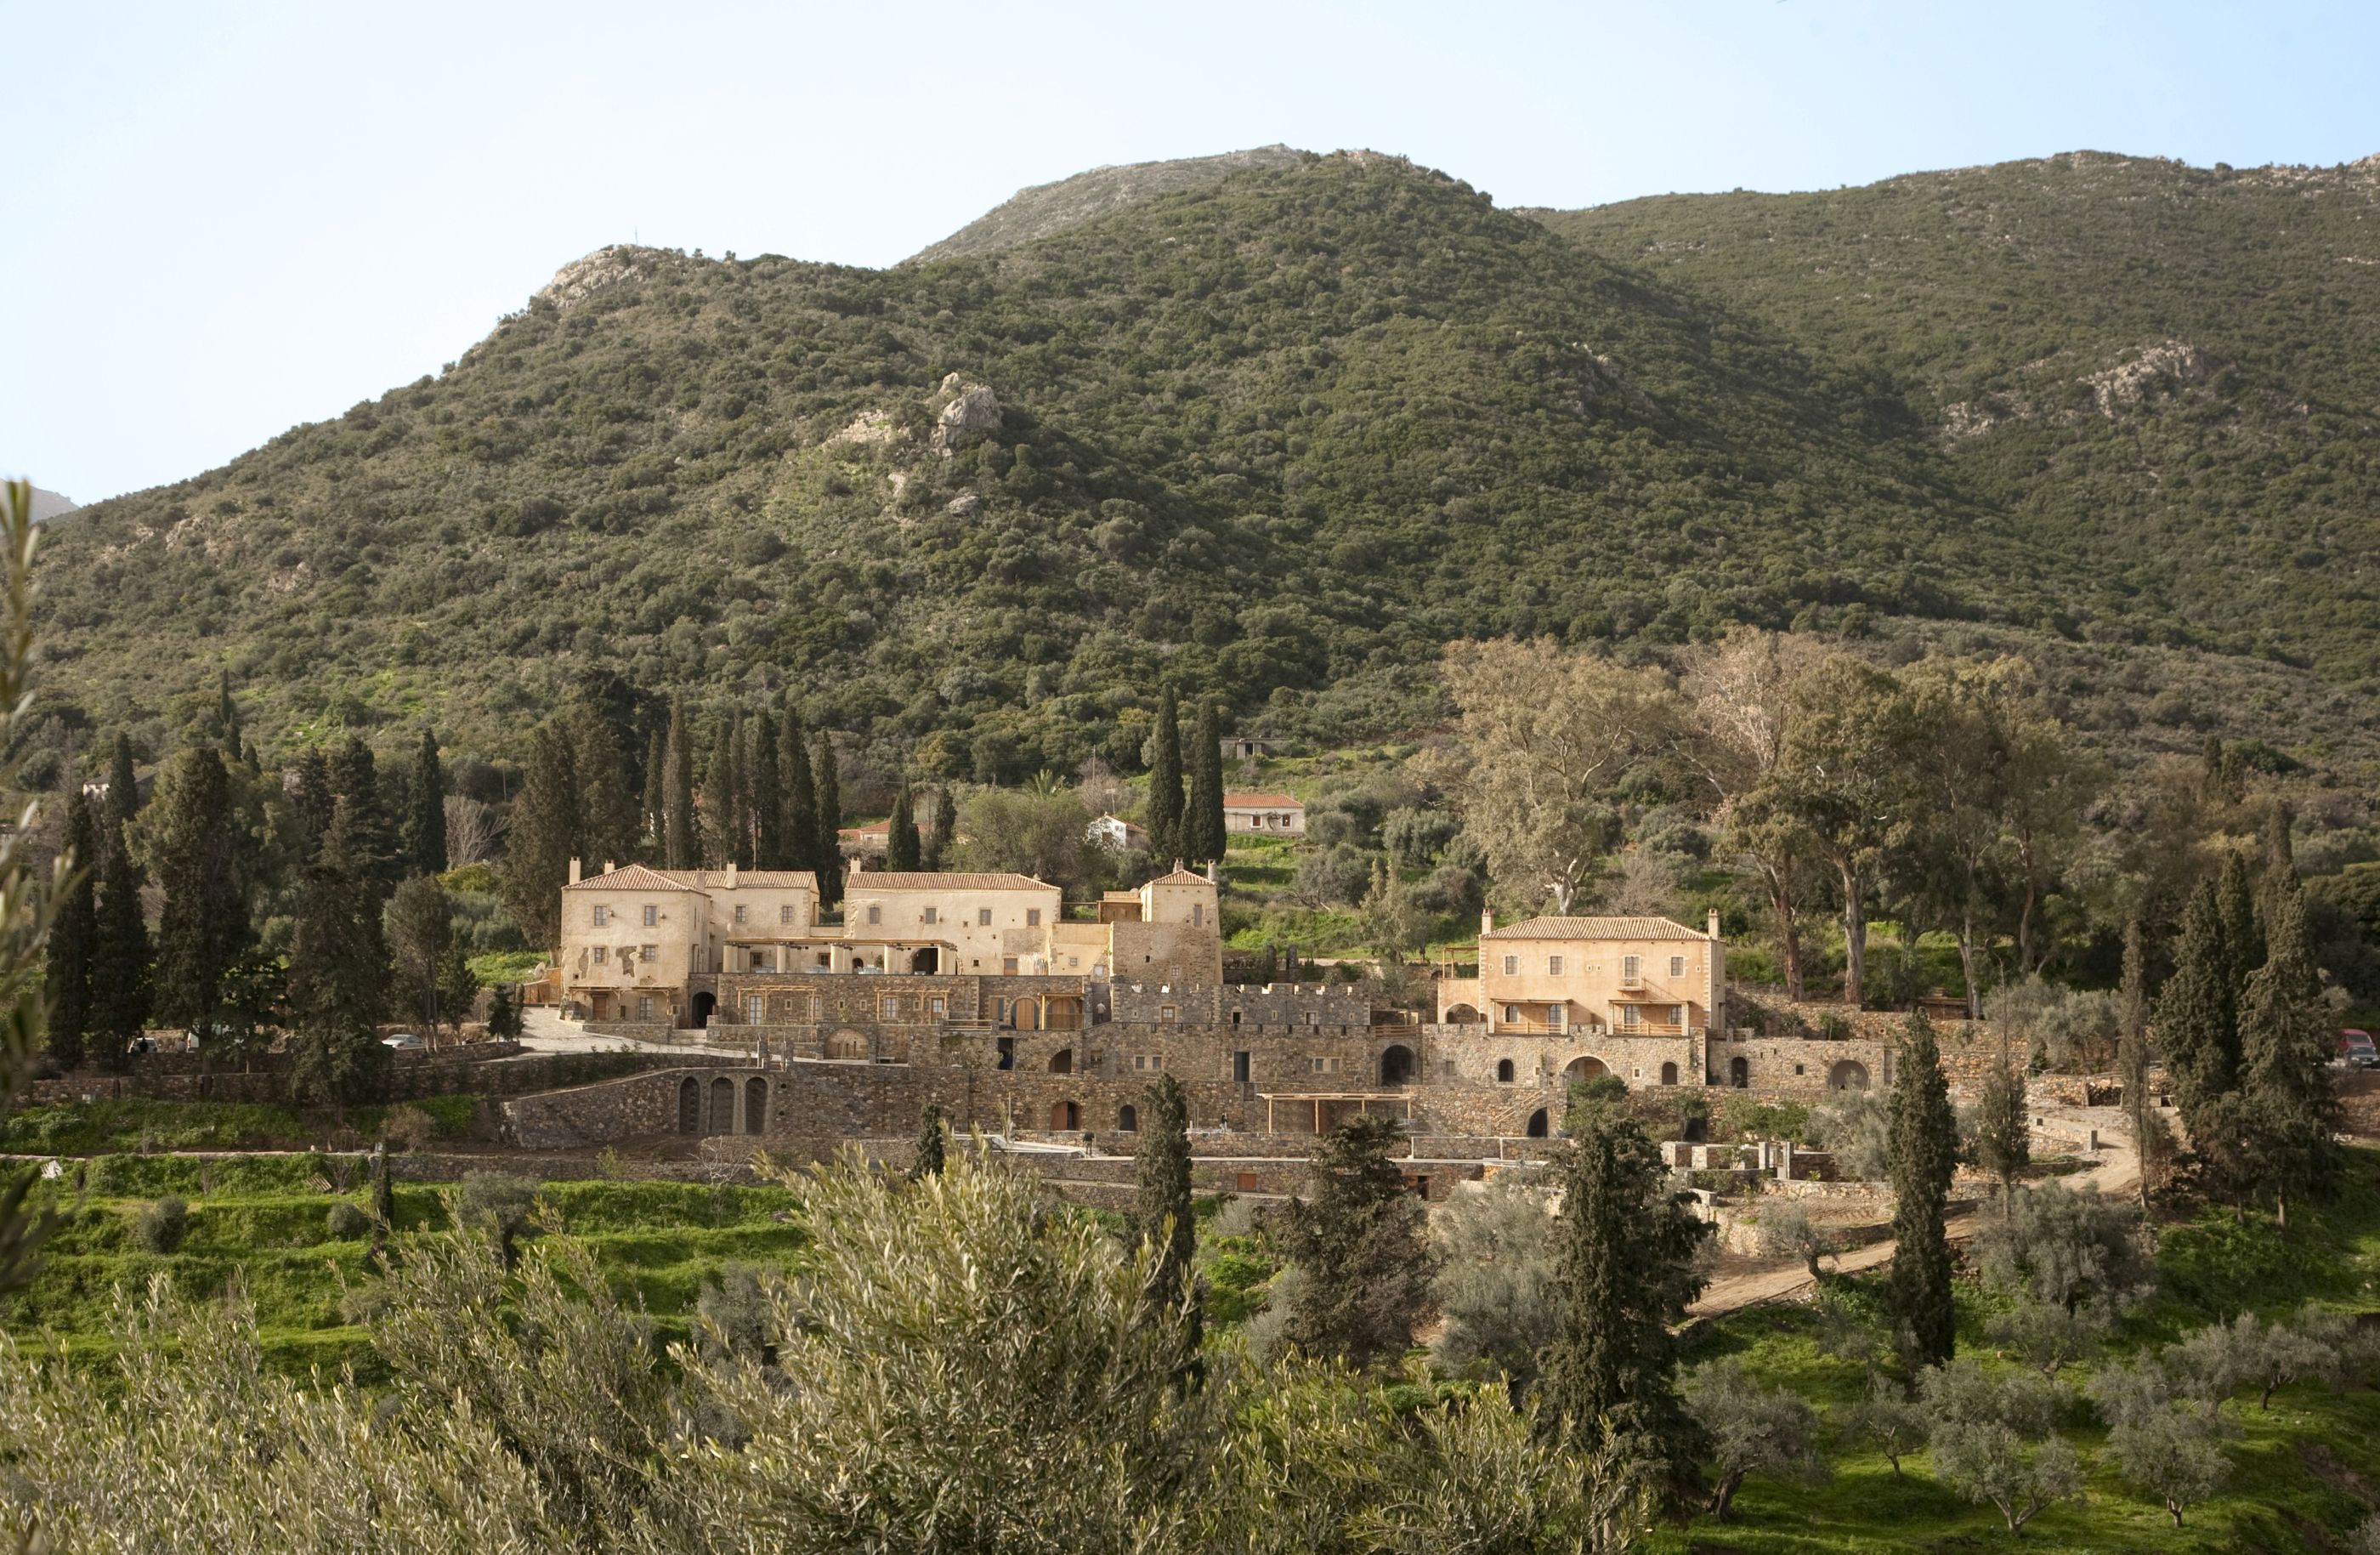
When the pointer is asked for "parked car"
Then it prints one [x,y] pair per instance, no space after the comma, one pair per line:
[403,1042]
[2356,1050]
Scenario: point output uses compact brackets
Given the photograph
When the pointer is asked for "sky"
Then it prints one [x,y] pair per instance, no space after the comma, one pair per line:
[224,220]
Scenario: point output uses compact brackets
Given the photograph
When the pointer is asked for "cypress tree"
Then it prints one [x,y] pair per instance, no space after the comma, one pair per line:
[716,805]
[2150,1140]
[542,839]
[1165,804]
[372,847]
[425,815]
[655,824]
[1362,1245]
[2243,929]
[800,823]
[2286,1039]
[1203,822]
[120,949]
[310,808]
[739,791]
[946,829]
[74,929]
[338,981]
[1161,1211]
[123,786]
[678,838]
[2003,1128]
[504,1012]
[1923,1141]
[931,1149]
[2198,1022]
[768,796]
[1626,1248]
[226,719]
[606,811]
[203,928]
[827,843]
[902,847]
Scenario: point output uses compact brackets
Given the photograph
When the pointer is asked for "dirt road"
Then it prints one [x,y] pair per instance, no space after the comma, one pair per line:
[2117,1169]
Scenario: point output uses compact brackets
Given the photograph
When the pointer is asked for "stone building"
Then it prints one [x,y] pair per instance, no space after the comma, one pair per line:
[1264,815]
[641,944]
[1629,976]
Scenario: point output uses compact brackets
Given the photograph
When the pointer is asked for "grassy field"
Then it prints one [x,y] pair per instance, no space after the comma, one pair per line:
[136,1123]
[264,1222]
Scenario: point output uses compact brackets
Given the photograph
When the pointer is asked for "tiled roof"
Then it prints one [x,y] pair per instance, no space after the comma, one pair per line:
[1181,877]
[869,829]
[1261,801]
[1594,929]
[638,877]
[903,879]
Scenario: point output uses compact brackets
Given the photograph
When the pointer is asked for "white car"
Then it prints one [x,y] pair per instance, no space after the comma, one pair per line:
[403,1042]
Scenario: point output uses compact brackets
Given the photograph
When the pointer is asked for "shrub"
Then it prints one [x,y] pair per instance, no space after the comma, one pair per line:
[1752,1429]
[161,1227]
[408,1127]
[345,1222]
[1496,1283]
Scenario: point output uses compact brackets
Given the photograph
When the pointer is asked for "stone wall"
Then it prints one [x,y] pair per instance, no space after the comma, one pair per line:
[1801,1069]
[1168,954]
[499,1070]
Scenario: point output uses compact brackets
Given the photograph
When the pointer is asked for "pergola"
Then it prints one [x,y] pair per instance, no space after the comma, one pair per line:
[1317,1098]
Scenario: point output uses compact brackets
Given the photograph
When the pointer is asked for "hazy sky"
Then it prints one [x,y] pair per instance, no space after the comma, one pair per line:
[225,220]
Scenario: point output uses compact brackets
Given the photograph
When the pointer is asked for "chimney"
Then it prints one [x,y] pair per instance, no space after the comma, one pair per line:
[858,862]
[731,874]
[574,869]
[1713,923]
[1211,878]
[1487,919]
[607,865]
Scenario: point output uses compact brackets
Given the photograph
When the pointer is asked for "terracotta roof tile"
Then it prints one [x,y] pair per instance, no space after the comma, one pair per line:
[1594,929]
[639,877]
[1261,801]
[904,880]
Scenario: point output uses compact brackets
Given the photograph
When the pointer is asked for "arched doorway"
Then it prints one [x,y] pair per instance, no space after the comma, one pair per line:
[1503,1070]
[1739,1072]
[690,1106]
[1065,1117]
[925,959]
[723,1107]
[1397,1065]
[1128,1119]
[1062,1061]
[1462,1015]
[1026,1015]
[704,1004]
[1668,1074]
[1586,1068]
[755,1104]
[1536,1129]
[1697,1128]
[1849,1075]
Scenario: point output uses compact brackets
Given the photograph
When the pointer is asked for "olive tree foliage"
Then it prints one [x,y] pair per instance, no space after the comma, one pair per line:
[1753,1431]
[1543,735]
[1856,1125]
[1788,1232]
[2160,1439]
[1496,1284]
[1993,1438]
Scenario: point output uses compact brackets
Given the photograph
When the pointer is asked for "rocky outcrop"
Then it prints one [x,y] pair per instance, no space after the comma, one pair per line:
[581,279]
[2133,380]
[973,411]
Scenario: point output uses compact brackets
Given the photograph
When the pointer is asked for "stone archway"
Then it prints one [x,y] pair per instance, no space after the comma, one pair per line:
[755,1104]
[1128,1119]
[690,1106]
[1586,1067]
[1848,1074]
[1462,1015]
[723,1107]
[1668,1074]
[1538,1125]
[704,1004]
[1397,1065]
[1062,1061]
[1503,1070]
[1739,1072]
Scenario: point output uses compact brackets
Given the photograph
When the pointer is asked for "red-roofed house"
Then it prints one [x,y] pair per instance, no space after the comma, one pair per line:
[1264,815]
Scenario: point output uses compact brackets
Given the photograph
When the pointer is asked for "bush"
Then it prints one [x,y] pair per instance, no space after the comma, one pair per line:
[345,1222]
[408,1128]
[161,1227]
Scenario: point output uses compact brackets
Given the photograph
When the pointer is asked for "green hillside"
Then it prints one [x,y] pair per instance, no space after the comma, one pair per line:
[1278,434]
[2181,364]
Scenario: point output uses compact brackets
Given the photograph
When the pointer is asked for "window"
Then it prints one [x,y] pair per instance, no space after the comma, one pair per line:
[1146,1064]
[644,1006]
[649,952]
[1553,966]
[1632,970]
[1503,1070]
[652,915]
[937,1005]
[603,917]
[1326,1065]
[753,1011]
[1241,1065]
[983,918]
[1512,966]
[1008,965]
[1032,918]
[1676,966]
[1166,1013]
[741,912]
[1628,1016]
[1073,962]
[888,1008]
[603,956]
[929,914]
[785,913]
[875,913]
[1197,915]
[1511,1011]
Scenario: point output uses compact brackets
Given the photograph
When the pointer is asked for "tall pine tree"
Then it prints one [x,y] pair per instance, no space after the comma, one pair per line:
[542,839]
[800,823]
[827,843]
[2287,1036]
[74,929]
[680,835]
[310,807]
[946,829]
[903,849]
[425,812]
[1202,824]
[338,981]
[767,796]
[121,954]
[1924,1144]
[371,830]
[1165,802]
[203,929]
[1625,1247]
[1161,1213]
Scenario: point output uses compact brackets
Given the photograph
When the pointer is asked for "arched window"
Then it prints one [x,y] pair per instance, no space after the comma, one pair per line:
[1537,1124]
[755,1104]
[1504,1071]
[1668,1074]
[690,1106]
[1739,1072]
[723,1107]
[1128,1119]
[1062,1061]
